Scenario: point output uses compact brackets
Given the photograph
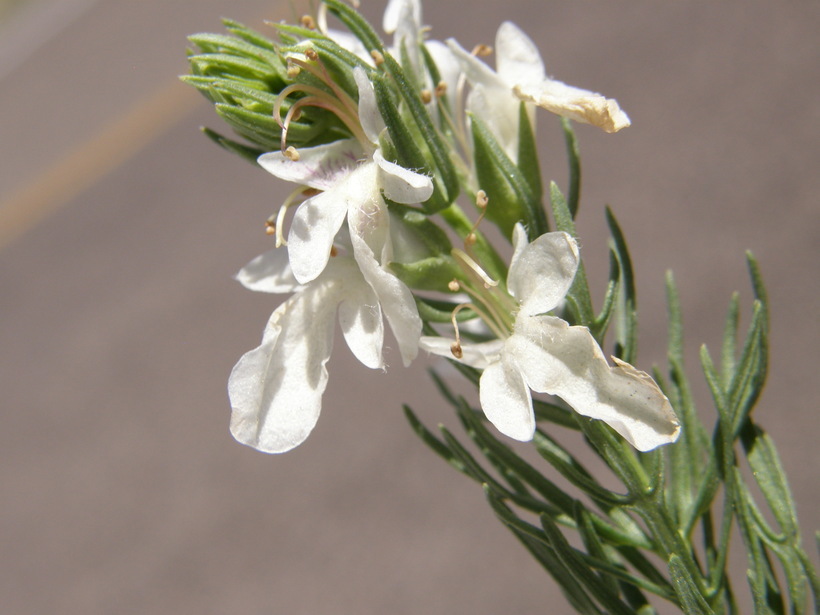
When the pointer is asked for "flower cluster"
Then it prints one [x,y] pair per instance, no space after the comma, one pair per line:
[380,142]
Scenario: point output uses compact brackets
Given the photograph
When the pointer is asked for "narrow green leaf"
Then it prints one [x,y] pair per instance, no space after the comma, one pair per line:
[356,24]
[444,172]
[248,34]
[601,324]
[593,544]
[575,473]
[578,295]
[246,152]
[528,155]
[729,347]
[581,570]
[691,600]
[627,310]
[511,198]
[574,158]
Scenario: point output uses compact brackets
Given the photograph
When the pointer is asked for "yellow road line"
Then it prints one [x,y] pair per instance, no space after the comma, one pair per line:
[103,152]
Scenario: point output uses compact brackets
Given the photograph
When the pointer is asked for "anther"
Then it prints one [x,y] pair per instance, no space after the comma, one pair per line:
[470,239]
[308,22]
[333,251]
[441,89]
[293,71]
[426,96]
[482,50]
[311,54]
[270,227]
[454,286]
[291,154]
[455,348]
[378,58]
[481,199]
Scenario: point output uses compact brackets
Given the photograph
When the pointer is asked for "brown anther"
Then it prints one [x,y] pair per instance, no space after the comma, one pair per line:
[426,96]
[293,71]
[270,229]
[455,348]
[291,154]
[481,199]
[333,251]
[309,192]
[308,22]
[311,54]
[454,286]
[378,58]
[441,89]
[482,50]
[470,239]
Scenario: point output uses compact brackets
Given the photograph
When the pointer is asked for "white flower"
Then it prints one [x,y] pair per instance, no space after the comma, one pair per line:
[276,389]
[350,175]
[545,354]
[520,75]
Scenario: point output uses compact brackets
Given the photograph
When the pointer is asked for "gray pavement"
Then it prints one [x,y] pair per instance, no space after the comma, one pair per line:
[121,226]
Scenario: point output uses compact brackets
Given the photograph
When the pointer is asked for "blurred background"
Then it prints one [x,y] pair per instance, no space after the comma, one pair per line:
[121,226]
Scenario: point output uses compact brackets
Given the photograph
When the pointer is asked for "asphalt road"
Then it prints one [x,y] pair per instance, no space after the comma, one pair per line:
[121,226]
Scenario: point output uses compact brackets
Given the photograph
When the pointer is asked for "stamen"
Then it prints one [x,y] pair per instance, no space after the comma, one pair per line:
[291,153]
[378,58]
[455,348]
[473,266]
[441,89]
[481,200]
[333,251]
[426,96]
[270,226]
[482,51]
[310,54]
[293,71]
[308,22]
[454,286]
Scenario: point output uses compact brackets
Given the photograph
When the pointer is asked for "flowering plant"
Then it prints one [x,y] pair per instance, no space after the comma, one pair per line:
[381,142]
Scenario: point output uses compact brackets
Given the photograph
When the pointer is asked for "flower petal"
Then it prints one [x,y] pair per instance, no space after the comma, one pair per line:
[574,103]
[268,273]
[541,272]
[395,298]
[320,167]
[566,361]
[276,389]
[314,228]
[360,317]
[517,59]
[506,400]
[369,116]
[480,355]
[402,185]
[398,10]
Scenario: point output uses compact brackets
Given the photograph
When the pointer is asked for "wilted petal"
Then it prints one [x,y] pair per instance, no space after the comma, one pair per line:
[268,273]
[517,57]
[566,361]
[541,272]
[276,389]
[320,167]
[506,400]
[402,185]
[574,103]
